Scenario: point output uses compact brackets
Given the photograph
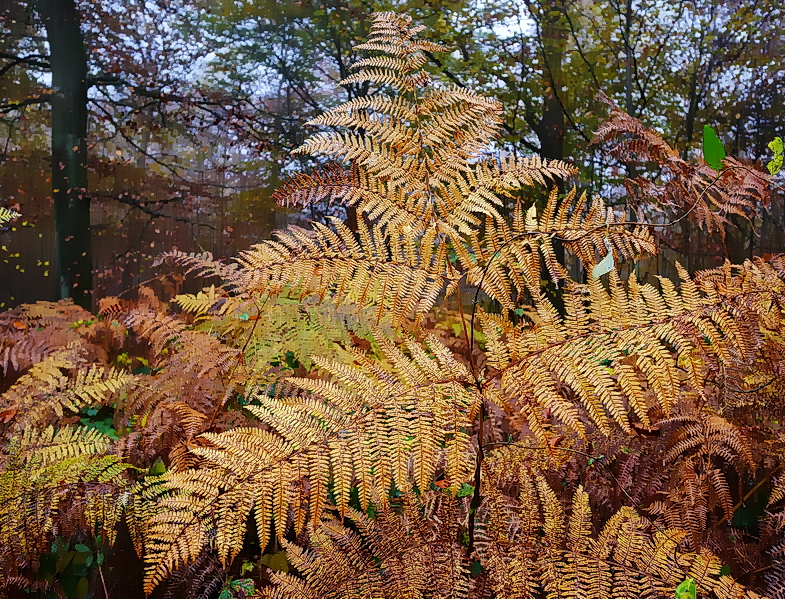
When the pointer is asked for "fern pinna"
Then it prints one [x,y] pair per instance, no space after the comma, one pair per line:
[338,395]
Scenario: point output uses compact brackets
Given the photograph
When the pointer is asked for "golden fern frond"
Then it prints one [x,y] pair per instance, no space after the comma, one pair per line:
[405,151]
[55,483]
[413,552]
[778,492]
[398,108]
[204,301]
[368,428]
[481,191]
[629,350]
[92,385]
[506,257]
[381,270]
[60,382]
[626,559]
[6,215]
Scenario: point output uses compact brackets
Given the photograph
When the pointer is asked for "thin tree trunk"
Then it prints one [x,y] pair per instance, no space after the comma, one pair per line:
[73,256]
[551,130]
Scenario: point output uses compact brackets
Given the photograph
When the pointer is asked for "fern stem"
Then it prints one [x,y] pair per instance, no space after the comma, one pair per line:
[476,497]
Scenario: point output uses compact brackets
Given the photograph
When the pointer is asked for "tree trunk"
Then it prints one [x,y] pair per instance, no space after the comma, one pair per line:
[551,130]
[73,256]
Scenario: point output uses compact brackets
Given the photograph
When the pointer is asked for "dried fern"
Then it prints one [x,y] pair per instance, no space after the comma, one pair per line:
[53,483]
[369,428]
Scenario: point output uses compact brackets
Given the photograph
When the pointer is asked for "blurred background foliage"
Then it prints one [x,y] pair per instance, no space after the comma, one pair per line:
[153,124]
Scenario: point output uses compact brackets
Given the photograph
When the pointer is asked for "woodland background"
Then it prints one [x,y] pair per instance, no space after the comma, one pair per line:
[189,110]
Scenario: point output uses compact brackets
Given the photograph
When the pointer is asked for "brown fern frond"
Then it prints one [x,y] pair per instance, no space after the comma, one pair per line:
[203,265]
[405,553]
[708,197]
[29,333]
[192,373]
[411,553]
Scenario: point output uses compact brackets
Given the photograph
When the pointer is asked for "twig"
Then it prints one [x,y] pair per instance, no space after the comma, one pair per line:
[103,582]
[749,494]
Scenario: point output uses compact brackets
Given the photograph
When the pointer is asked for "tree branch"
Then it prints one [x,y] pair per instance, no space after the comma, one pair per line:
[17,60]
[42,99]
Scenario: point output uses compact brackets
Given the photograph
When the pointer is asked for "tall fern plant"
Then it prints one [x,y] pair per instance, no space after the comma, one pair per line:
[404,429]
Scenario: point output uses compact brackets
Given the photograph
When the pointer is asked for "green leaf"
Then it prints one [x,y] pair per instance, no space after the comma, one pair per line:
[157,469]
[604,267]
[713,152]
[465,490]
[82,548]
[247,567]
[775,166]
[686,590]
[777,146]
[725,571]
[225,594]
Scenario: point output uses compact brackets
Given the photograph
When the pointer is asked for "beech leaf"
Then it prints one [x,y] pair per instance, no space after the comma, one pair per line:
[713,152]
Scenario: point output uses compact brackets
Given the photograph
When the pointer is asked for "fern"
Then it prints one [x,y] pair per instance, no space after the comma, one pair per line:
[620,363]
[6,215]
[413,551]
[375,430]
[612,345]
[52,483]
[699,191]
[333,390]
